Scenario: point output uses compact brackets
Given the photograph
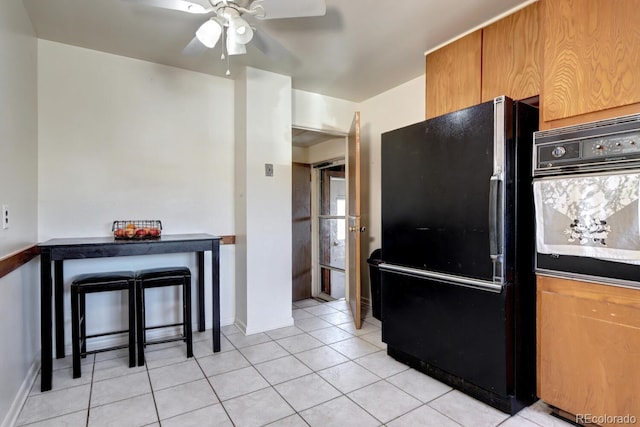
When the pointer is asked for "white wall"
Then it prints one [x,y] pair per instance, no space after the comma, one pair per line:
[398,107]
[263,203]
[126,139]
[318,112]
[19,290]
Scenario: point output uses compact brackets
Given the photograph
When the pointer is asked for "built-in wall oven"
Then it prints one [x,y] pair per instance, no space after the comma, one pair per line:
[586,191]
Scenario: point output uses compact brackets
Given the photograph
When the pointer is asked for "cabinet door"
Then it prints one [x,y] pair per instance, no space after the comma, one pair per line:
[591,56]
[588,347]
[511,50]
[454,76]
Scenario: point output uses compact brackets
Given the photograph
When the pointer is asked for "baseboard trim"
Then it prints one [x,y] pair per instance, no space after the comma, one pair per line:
[241,326]
[21,397]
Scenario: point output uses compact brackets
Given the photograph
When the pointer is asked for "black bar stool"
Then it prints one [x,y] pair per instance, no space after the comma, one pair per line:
[161,277]
[99,282]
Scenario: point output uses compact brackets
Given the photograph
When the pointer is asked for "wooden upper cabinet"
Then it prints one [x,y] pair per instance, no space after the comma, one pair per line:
[453,75]
[511,53]
[591,59]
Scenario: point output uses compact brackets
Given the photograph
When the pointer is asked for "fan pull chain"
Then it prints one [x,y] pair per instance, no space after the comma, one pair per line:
[223,56]
[223,44]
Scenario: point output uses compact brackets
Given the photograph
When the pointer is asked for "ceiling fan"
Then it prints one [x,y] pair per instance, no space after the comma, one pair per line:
[233,23]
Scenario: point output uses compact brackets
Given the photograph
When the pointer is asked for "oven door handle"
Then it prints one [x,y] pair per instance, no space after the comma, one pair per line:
[496,215]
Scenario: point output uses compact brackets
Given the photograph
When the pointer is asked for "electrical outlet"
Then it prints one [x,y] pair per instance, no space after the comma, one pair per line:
[268,169]
[5,217]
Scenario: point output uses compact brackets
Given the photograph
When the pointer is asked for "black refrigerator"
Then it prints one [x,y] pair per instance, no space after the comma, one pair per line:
[457,282]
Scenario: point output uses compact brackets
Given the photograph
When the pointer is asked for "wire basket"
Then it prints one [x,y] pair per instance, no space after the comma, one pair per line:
[137,229]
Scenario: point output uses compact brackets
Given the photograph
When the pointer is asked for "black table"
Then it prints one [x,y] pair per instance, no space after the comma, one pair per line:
[58,250]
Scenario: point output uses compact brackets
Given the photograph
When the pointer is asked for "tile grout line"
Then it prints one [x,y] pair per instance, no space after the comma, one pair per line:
[153,394]
[313,371]
[349,359]
[93,370]
[440,412]
[354,360]
[215,393]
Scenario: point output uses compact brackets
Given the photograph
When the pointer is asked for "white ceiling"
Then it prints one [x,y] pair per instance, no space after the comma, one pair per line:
[359,49]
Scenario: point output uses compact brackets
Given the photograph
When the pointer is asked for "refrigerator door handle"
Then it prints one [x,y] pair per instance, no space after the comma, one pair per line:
[496,190]
[495,217]
[451,279]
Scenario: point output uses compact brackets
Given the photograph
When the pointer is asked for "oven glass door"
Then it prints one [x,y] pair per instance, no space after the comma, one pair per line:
[588,226]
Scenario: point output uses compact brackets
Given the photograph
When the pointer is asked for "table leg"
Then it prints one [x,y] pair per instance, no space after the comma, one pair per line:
[59,306]
[215,294]
[45,322]
[201,314]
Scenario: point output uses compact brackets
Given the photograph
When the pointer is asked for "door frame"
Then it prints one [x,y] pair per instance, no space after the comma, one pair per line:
[315,282]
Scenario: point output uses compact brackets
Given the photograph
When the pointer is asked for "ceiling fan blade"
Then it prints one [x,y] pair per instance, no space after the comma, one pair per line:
[194,47]
[181,5]
[279,9]
[270,47]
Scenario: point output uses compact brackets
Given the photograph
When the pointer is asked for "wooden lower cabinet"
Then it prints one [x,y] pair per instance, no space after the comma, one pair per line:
[588,339]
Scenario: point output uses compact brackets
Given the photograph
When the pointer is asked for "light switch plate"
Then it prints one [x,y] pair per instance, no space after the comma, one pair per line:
[268,169]
[5,217]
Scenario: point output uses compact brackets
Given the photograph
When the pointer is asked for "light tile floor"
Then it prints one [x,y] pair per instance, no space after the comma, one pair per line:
[320,372]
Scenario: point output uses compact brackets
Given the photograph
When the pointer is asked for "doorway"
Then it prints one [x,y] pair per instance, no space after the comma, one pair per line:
[314,151]
[331,220]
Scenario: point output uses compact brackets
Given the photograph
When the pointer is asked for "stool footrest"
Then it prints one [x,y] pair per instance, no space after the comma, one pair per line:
[104,334]
[164,340]
[147,328]
[102,350]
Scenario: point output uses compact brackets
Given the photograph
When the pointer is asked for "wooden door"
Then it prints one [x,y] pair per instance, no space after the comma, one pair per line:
[301,231]
[353,222]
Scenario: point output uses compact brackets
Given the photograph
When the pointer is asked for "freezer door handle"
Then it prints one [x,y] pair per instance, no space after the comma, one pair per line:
[495,217]
[451,279]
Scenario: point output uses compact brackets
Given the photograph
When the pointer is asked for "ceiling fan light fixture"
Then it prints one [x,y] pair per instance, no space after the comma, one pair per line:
[209,33]
[233,47]
[242,31]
